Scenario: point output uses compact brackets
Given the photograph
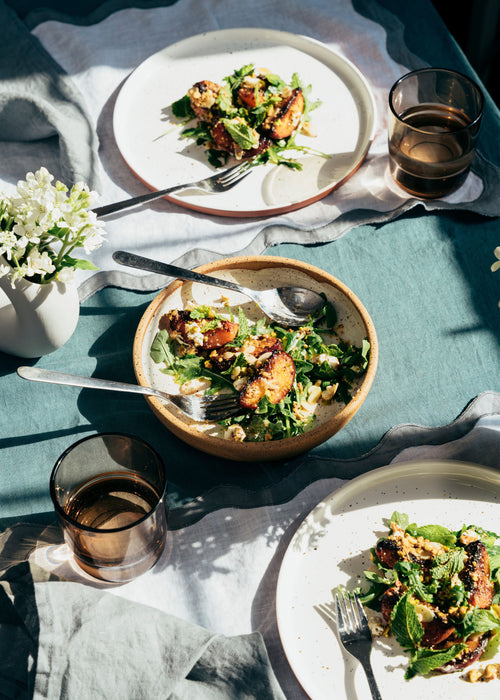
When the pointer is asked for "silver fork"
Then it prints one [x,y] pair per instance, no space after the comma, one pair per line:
[210,408]
[220,182]
[353,631]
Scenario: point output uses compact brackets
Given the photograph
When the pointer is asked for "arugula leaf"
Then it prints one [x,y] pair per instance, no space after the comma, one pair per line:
[405,625]
[186,368]
[161,349]
[412,574]
[182,108]
[236,79]
[425,660]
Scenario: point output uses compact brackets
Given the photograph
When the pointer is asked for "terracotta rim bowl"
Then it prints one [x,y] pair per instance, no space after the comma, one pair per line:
[189,431]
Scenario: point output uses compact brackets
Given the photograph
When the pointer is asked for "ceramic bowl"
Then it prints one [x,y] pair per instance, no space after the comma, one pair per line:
[256,272]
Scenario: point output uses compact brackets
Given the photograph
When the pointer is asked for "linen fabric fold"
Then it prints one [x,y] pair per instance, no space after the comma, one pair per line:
[66,640]
[39,102]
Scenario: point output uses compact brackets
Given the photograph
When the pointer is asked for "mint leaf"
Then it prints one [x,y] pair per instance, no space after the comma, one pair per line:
[405,625]
[425,660]
[400,519]
[479,621]
[243,134]
[436,533]
[448,563]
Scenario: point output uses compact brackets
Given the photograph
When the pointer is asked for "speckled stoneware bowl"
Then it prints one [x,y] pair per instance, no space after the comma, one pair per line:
[256,272]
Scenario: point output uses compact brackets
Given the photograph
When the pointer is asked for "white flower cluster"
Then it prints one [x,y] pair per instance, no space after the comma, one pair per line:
[41,224]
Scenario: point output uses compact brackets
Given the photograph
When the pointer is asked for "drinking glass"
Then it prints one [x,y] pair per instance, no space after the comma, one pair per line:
[109,493]
[434,120]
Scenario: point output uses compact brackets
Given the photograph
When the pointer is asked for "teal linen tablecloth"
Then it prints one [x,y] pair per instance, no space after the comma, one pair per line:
[424,277]
[425,281]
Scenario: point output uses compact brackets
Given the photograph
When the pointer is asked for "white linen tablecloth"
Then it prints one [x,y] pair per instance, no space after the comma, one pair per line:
[221,572]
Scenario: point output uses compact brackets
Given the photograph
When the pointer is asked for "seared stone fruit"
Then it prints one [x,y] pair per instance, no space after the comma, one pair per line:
[401,546]
[288,116]
[475,648]
[222,358]
[274,380]
[180,324]
[476,575]
[203,96]
[224,142]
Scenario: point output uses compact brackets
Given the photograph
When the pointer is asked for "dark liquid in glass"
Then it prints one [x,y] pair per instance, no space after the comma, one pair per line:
[432,158]
[110,504]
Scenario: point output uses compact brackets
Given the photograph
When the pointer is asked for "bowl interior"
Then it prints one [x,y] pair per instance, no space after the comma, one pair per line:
[259,272]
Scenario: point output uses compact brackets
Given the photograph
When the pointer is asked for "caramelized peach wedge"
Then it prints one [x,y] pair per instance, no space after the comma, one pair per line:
[282,378]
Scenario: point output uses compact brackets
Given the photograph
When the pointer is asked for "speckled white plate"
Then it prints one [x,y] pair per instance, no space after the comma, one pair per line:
[331,548]
[149,139]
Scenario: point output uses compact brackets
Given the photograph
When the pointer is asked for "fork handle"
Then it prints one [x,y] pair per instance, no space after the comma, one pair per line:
[140,263]
[135,201]
[36,374]
[371,680]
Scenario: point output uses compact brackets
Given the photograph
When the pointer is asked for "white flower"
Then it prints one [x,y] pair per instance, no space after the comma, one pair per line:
[66,275]
[38,263]
[41,216]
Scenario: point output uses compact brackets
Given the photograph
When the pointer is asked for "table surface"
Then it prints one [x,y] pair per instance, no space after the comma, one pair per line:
[425,279]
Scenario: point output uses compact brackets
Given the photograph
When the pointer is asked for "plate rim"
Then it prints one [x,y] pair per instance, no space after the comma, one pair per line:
[356,486]
[304,40]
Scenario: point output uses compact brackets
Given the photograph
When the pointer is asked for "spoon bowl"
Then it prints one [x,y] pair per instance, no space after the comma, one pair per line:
[288,306]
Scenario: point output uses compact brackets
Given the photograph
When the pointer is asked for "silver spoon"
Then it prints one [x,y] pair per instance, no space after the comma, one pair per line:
[288,306]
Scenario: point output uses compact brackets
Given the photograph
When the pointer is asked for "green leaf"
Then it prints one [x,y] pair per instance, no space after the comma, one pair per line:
[425,660]
[240,132]
[412,574]
[160,349]
[84,265]
[236,79]
[479,621]
[405,625]
[243,329]
[448,563]
[400,519]
[182,108]
[436,533]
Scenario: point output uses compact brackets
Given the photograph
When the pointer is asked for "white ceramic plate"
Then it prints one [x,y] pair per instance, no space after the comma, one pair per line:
[154,150]
[331,547]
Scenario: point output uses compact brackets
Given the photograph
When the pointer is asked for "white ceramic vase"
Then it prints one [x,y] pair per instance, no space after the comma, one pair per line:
[36,319]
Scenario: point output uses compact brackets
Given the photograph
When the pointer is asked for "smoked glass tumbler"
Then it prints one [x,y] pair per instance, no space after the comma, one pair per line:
[109,493]
[434,120]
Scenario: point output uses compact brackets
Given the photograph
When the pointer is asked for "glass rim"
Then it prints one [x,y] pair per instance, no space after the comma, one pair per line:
[88,528]
[450,71]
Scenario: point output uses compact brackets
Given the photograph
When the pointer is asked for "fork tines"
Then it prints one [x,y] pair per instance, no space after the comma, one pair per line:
[350,613]
[220,407]
[207,408]
[234,174]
